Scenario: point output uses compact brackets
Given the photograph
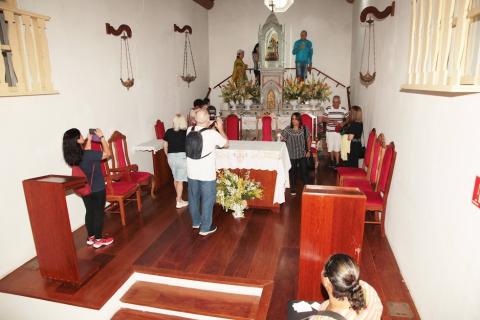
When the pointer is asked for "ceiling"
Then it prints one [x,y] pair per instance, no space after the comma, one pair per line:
[208,4]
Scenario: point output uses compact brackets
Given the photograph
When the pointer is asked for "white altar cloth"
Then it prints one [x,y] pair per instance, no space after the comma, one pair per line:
[250,123]
[260,155]
[152,145]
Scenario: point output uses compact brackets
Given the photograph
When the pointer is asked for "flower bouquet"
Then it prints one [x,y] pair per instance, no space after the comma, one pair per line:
[252,91]
[292,89]
[232,93]
[233,191]
[316,89]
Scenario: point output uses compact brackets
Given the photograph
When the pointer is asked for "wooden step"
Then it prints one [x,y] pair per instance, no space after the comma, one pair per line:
[196,301]
[129,314]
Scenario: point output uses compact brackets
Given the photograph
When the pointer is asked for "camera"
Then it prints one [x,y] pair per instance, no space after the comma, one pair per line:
[95,138]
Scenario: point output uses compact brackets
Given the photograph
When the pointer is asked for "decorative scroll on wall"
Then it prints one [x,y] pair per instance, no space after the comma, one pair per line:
[444,46]
[24,59]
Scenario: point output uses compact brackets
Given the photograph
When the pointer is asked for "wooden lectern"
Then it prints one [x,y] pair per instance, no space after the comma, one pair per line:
[52,233]
[332,222]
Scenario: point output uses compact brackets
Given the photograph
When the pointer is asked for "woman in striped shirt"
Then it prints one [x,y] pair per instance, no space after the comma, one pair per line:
[297,137]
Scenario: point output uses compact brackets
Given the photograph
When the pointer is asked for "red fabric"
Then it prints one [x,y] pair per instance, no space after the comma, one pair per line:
[368,148]
[376,161]
[307,120]
[267,128]
[373,198]
[140,176]
[387,164]
[232,127]
[361,184]
[85,190]
[351,172]
[159,129]
[122,188]
[121,161]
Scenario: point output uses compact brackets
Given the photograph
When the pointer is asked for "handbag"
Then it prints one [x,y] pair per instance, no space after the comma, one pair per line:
[86,189]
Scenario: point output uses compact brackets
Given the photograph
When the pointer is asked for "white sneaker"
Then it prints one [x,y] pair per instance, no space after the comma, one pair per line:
[181,204]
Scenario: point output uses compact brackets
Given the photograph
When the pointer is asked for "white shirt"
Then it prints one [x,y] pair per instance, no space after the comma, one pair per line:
[204,169]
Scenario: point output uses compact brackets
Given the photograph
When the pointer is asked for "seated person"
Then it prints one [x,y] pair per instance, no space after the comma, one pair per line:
[348,295]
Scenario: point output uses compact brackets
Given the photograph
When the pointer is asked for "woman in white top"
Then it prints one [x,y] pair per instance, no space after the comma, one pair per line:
[348,295]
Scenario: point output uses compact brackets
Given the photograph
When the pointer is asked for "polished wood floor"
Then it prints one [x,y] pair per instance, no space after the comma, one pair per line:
[262,246]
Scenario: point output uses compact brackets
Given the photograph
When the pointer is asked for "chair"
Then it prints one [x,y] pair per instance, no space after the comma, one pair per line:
[121,164]
[370,181]
[266,128]
[233,127]
[159,129]
[377,200]
[347,172]
[118,191]
[310,122]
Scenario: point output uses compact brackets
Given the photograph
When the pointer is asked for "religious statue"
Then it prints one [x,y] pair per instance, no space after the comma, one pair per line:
[271,100]
[272,49]
[239,75]
[303,51]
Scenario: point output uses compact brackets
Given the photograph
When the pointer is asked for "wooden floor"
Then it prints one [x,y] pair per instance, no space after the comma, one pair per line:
[262,246]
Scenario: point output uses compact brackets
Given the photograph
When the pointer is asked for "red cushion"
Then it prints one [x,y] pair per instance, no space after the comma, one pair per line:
[373,199]
[266,128]
[122,187]
[351,172]
[140,176]
[361,184]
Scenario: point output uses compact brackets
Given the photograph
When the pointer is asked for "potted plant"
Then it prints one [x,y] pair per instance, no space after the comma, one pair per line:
[252,93]
[233,191]
[292,90]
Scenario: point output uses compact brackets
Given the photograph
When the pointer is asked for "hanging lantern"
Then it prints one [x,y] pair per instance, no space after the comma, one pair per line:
[187,75]
[126,68]
[368,77]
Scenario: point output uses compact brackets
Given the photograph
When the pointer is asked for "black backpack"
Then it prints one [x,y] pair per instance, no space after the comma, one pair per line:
[194,144]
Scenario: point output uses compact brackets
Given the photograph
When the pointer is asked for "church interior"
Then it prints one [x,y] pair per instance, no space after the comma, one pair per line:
[129,67]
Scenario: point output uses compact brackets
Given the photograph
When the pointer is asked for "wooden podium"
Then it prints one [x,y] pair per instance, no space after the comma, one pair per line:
[332,221]
[48,212]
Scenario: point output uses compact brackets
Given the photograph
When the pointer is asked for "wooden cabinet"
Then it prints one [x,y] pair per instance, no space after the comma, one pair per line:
[332,221]
[52,233]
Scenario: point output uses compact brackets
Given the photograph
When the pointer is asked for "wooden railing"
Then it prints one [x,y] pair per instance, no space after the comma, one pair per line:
[319,72]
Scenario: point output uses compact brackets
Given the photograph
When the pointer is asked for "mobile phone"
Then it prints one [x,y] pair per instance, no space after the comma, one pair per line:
[95,138]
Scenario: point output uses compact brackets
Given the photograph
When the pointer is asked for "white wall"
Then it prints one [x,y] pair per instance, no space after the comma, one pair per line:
[234,25]
[85,70]
[431,223]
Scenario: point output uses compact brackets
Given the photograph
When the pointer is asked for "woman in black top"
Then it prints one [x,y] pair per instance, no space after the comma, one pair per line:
[177,159]
[77,152]
[354,130]
[298,138]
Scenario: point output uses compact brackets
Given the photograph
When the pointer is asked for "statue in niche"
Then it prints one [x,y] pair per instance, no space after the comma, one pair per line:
[271,100]
[272,48]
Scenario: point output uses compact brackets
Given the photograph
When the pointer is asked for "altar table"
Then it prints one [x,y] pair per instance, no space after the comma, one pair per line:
[161,170]
[268,163]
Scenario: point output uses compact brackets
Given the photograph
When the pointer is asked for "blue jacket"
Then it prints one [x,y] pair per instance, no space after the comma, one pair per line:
[303,55]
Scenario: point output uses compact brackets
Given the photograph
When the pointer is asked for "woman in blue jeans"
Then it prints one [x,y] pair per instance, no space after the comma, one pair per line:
[177,160]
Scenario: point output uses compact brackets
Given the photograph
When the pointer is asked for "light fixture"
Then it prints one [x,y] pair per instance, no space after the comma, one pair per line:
[279,5]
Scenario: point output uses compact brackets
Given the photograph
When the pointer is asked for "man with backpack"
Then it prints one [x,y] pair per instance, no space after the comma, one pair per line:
[200,146]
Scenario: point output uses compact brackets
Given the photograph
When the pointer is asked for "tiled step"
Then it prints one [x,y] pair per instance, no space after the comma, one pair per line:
[194,301]
[129,314]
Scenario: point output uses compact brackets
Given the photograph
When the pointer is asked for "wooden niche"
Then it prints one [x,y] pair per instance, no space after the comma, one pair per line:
[24,58]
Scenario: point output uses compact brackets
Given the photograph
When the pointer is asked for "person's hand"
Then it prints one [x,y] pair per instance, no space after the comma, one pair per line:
[99,132]
[89,137]
[219,123]
[350,137]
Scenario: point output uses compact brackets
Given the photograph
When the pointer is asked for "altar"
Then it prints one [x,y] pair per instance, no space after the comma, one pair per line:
[268,163]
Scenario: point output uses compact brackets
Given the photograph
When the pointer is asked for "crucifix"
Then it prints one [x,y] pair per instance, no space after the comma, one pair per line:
[272,5]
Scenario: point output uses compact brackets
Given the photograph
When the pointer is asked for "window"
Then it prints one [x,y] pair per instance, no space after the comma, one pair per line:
[24,58]
[279,5]
[444,46]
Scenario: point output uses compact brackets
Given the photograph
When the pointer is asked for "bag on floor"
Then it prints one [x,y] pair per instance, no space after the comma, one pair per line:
[194,144]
